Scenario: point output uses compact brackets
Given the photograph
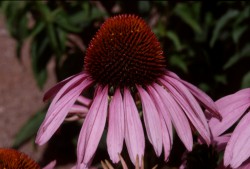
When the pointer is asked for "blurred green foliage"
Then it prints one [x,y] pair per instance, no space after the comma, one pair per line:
[206,43]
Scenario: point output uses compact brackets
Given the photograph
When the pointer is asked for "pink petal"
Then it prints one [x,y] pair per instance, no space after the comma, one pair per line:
[67,87]
[51,165]
[57,114]
[53,91]
[217,127]
[178,117]
[84,100]
[81,166]
[189,105]
[245,165]
[221,141]
[166,125]
[116,131]
[238,147]
[134,136]
[92,128]
[201,96]
[78,109]
[152,121]
[232,107]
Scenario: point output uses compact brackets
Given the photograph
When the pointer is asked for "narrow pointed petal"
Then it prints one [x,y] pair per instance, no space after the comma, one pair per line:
[115,134]
[66,88]
[201,96]
[189,105]
[78,109]
[54,90]
[51,165]
[245,165]
[59,112]
[221,141]
[152,121]
[232,107]
[92,128]
[166,139]
[134,136]
[84,100]
[238,147]
[178,117]
[166,125]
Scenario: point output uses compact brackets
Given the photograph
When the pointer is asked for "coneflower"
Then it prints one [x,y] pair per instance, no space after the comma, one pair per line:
[234,108]
[125,63]
[13,159]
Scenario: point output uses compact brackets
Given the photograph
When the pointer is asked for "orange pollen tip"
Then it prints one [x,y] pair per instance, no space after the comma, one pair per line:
[124,52]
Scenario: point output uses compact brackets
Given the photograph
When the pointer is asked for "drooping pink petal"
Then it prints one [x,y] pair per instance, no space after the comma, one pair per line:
[221,141]
[92,128]
[232,98]
[232,107]
[81,166]
[51,165]
[217,128]
[178,117]
[59,112]
[245,165]
[201,96]
[115,135]
[238,147]
[78,109]
[167,134]
[84,100]
[134,136]
[53,91]
[189,105]
[66,88]
[152,121]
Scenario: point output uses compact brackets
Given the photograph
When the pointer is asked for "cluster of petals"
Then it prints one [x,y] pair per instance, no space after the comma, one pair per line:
[235,109]
[167,103]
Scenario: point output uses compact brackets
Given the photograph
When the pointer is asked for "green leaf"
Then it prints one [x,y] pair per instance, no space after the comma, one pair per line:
[179,62]
[39,26]
[29,129]
[175,39]
[237,32]
[62,38]
[144,6]
[62,19]
[245,52]
[188,13]
[243,15]
[52,34]
[246,80]
[221,79]
[222,23]
[233,59]
[40,55]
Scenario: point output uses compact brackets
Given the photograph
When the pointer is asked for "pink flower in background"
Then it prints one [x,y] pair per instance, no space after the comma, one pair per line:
[233,108]
[125,63]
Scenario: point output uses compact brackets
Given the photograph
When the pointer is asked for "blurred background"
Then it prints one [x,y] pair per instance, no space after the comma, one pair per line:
[44,42]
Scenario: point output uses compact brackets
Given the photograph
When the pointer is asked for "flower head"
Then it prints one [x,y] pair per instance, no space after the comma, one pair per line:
[125,63]
[13,159]
[233,108]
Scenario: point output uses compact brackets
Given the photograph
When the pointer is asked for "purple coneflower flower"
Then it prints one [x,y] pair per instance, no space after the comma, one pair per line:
[233,108]
[12,159]
[125,62]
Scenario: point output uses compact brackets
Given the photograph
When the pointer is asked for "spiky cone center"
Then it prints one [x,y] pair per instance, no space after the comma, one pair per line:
[12,159]
[124,52]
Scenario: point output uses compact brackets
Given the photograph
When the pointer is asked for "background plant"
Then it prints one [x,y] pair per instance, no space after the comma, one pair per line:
[205,43]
